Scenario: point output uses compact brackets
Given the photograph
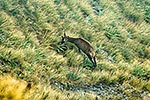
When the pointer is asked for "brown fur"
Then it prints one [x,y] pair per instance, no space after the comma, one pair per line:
[83,45]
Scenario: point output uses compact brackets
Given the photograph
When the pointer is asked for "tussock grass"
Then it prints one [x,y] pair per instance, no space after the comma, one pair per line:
[14,89]
[30,32]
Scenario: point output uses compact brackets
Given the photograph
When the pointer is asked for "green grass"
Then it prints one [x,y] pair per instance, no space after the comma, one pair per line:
[29,51]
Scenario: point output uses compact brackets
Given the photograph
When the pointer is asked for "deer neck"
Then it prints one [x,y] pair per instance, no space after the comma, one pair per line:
[72,40]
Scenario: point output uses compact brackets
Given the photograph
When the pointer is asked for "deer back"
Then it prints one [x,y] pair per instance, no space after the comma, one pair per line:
[84,45]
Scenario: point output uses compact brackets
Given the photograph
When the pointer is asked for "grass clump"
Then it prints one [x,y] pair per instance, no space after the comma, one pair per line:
[147,16]
[132,17]
[141,72]
[12,89]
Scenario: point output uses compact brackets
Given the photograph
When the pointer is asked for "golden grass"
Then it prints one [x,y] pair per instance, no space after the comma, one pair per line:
[12,89]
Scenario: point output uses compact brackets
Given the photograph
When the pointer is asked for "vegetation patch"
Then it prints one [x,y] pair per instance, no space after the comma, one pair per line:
[34,65]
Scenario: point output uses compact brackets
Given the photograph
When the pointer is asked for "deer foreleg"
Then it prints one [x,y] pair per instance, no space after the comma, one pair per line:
[79,50]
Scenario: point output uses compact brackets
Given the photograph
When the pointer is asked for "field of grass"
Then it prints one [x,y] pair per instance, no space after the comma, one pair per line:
[33,66]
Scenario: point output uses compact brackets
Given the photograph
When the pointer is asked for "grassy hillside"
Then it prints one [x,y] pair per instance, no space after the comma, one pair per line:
[33,66]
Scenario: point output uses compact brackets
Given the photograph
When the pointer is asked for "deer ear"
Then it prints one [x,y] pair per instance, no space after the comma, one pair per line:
[64,34]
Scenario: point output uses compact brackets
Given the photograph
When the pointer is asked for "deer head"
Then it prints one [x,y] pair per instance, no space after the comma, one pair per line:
[64,39]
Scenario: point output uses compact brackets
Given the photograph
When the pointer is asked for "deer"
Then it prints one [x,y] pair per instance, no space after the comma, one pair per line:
[83,45]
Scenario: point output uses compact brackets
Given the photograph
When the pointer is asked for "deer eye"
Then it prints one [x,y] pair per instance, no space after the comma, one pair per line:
[63,40]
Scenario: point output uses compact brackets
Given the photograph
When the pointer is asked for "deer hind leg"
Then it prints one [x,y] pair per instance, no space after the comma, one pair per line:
[92,60]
